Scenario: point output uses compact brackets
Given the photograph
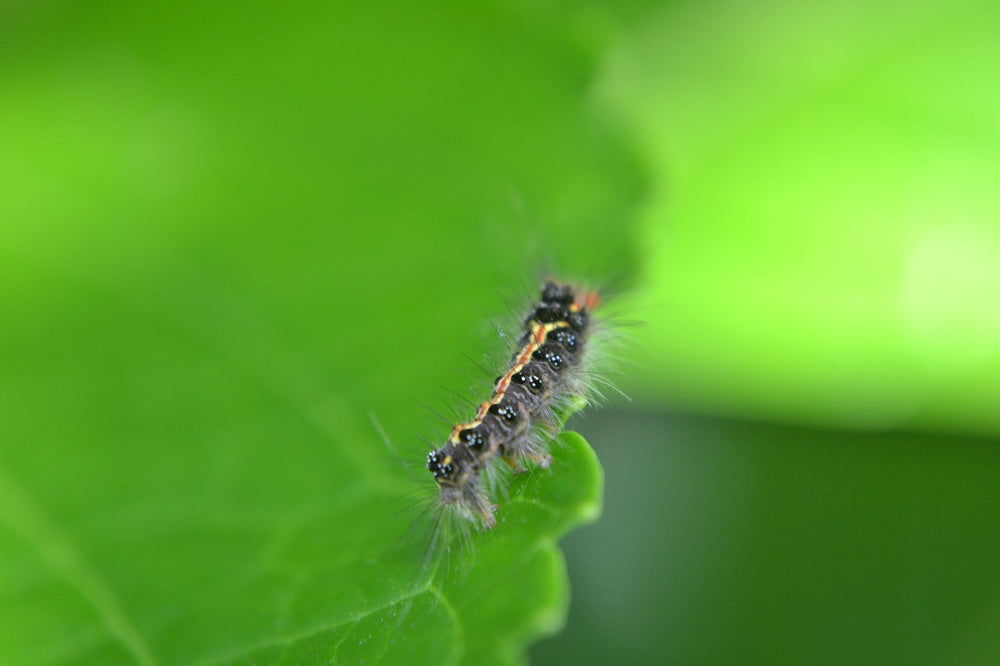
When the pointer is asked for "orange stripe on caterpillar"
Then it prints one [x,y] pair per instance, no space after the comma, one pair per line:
[540,373]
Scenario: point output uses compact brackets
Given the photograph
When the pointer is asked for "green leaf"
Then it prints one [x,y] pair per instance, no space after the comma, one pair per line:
[231,233]
[473,600]
[822,231]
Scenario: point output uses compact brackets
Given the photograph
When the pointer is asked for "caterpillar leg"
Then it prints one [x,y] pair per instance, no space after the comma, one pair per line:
[542,459]
[489,520]
[529,447]
[474,502]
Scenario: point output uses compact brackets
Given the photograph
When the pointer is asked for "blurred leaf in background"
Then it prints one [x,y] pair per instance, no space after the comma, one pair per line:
[823,231]
[822,248]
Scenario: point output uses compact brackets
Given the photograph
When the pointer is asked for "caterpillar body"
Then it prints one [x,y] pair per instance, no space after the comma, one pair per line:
[544,372]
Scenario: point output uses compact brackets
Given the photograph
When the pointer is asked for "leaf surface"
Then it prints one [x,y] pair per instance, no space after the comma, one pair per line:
[230,235]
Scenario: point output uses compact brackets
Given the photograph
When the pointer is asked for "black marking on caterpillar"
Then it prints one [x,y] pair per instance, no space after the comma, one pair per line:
[543,371]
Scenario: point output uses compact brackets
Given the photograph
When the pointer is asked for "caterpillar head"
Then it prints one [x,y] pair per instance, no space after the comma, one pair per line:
[450,468]
[455,472]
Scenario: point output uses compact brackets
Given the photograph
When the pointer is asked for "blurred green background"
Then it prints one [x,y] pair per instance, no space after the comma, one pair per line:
[230,231]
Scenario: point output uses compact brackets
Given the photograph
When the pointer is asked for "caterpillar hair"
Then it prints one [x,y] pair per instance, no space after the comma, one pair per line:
[544,374]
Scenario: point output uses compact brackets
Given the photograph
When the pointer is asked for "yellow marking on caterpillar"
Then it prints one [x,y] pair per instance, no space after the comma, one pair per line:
[538,335]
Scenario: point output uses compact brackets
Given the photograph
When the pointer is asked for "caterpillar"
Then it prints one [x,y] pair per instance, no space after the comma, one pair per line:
[544,372]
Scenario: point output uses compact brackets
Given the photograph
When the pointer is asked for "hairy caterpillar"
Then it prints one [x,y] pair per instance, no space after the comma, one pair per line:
[543,373]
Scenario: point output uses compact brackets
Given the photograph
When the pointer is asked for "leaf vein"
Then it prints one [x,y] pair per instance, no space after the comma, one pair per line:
[25,516]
